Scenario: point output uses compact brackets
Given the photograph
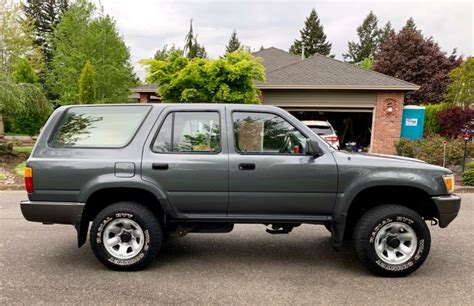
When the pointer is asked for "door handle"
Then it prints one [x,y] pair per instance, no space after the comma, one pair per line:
[246,166]
[159,166]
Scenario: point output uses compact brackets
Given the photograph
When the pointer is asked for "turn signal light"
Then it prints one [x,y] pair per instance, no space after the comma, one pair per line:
[29,179]
[449,182]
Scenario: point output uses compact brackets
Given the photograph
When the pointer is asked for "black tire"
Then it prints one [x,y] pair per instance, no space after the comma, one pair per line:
[130,212]
[378,218]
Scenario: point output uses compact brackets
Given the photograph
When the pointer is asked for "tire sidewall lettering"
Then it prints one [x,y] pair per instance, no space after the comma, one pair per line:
[406,265]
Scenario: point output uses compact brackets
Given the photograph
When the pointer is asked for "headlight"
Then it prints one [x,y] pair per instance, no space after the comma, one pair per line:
[449,182]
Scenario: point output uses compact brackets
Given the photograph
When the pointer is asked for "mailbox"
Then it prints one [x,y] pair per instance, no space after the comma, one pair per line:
[413,122]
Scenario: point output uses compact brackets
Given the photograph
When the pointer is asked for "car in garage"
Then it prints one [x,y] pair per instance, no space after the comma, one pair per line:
[325,130]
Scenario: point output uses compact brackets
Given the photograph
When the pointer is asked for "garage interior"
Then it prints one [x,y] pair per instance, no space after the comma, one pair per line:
[350,125]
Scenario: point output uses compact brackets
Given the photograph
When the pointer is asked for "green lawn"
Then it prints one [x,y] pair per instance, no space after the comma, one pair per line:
[20,169]
[23,150]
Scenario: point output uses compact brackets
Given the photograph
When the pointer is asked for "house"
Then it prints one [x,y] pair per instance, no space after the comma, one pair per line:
[363,106]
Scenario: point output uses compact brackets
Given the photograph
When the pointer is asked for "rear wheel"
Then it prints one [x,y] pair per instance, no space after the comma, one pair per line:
[126,236]
[392,240]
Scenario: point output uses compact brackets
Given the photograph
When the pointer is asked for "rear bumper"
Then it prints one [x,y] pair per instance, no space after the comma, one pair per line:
[448,208]
[52,212]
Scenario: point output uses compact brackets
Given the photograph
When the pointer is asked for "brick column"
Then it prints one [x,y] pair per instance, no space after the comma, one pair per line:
[387,124]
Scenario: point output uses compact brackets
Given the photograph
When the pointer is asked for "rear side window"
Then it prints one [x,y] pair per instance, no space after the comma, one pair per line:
[321,130]
[189,132]
[98,127]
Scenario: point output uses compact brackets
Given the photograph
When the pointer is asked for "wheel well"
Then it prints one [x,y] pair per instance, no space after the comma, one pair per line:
[410,197]
[104,197]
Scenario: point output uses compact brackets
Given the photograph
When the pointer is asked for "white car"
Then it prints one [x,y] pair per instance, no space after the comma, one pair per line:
[325,130]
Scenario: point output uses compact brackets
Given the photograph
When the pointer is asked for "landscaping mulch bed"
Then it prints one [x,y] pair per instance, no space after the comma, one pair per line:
[9,180]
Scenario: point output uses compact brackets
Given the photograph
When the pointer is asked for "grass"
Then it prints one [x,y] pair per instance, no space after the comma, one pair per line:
[20,169]
[23,150]
[3,176]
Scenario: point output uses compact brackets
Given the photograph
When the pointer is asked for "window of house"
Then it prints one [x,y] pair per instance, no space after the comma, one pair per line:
[190,132]
[266,133]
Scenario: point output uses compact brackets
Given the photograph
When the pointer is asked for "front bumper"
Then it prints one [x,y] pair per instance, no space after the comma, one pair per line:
[448,208]
[52,212]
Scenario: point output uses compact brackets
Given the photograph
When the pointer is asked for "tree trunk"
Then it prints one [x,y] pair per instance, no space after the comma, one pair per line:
[2,126]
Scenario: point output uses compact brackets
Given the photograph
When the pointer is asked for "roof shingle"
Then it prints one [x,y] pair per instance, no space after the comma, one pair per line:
[287,71]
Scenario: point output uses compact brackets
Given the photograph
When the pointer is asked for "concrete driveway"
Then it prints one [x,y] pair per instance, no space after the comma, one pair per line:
[40,263]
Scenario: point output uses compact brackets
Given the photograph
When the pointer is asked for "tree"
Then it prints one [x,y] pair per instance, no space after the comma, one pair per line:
[163,53]
[386,32]
[234,43]
[410,25]
[367,63]
[80,37]
[461,89]
[23,72]
[192,48]
[17,38]
[410,56]
[369,37]
[45,15]
[224,80]
[87,84]
[312,37]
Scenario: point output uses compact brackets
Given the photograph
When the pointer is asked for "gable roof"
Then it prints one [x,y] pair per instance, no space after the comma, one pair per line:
[321,72]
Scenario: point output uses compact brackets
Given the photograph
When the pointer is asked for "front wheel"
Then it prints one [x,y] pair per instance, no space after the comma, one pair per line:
[126,236]
[392,240]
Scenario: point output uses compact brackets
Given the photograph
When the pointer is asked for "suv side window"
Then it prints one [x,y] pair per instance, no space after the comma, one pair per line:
[189,132]
[266,133]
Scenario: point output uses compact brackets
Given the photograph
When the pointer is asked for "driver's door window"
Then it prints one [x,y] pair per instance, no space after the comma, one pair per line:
[266,133]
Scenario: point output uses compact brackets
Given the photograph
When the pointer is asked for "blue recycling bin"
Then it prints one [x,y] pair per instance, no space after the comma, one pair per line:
[413,122]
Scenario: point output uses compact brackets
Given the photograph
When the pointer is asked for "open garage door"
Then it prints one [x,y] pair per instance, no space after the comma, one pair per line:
[351,125]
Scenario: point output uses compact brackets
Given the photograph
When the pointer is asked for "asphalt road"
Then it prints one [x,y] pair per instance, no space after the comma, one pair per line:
[42,263]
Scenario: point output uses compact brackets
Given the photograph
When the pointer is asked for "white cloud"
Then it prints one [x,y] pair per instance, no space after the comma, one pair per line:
[148,25]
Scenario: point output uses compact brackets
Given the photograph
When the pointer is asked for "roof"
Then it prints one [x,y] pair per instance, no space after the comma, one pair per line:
[286,71]
[316,122]
[273,58]
[146,88]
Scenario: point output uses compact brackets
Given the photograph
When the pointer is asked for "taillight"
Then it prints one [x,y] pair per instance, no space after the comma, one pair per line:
[331,138]
[29,179]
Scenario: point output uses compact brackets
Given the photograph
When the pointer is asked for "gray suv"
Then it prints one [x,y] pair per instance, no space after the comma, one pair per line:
[143,173]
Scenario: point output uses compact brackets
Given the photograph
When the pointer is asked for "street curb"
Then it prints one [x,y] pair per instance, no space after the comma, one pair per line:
[463,189]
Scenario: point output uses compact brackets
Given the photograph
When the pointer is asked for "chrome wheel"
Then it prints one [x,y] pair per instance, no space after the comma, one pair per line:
[395,243]
[123,238]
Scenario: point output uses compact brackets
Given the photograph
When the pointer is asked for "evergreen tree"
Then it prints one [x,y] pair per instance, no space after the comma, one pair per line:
[164,52]
[45,14]
[387,31]
[23,72]
[312,37]
[192,48]
[80,37]
[369,36]
[233,44]
[410,24]
[87,84]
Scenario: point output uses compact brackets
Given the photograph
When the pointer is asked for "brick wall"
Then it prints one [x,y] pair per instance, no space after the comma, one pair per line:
[387,125]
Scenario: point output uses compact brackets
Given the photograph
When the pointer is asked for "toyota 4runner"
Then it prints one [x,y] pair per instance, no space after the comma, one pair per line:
[142,173]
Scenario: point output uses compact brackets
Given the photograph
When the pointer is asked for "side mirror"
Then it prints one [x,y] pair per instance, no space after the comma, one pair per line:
[312,148]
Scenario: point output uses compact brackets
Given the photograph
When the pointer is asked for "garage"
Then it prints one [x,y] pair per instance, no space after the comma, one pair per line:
[363,106]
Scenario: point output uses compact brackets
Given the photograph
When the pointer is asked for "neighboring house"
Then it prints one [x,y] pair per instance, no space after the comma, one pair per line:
[364,106]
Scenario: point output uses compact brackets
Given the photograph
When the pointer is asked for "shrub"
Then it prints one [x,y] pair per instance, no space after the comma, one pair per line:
[454,119]
[431,118]
[470,165]
[468,177]
[430,149]
[25,124]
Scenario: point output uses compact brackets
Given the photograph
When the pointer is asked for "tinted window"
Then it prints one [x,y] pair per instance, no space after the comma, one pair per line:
[103,126]
[266,133]
[189,132]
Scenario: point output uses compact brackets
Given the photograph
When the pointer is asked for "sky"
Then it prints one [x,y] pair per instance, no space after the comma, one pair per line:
[148,25]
